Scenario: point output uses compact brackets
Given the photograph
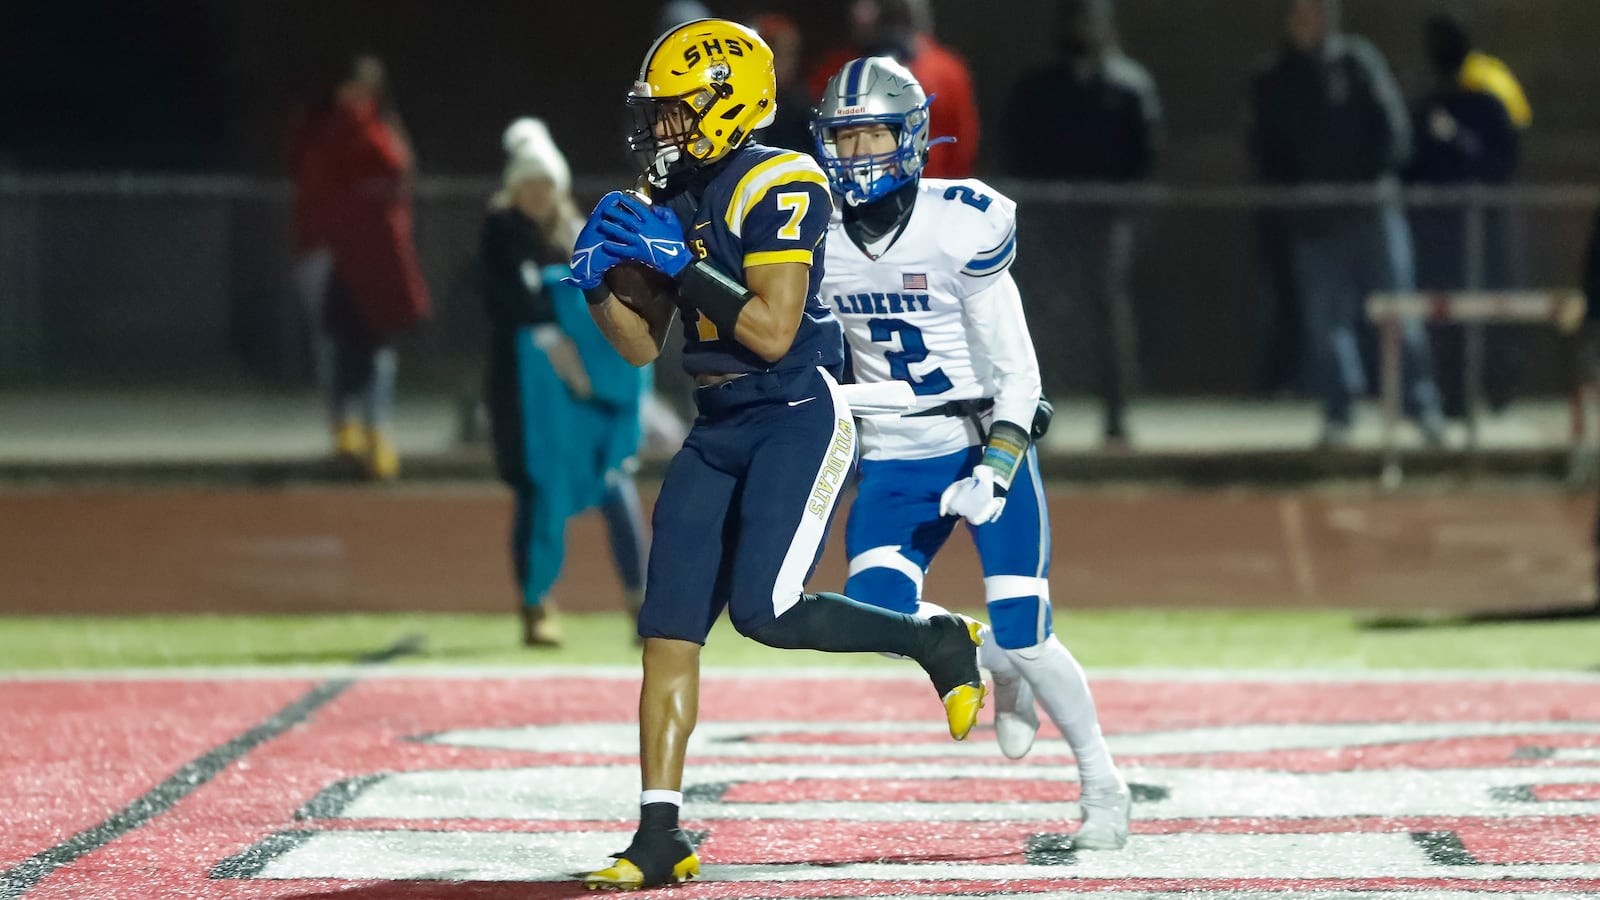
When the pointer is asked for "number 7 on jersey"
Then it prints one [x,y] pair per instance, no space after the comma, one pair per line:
[798,204]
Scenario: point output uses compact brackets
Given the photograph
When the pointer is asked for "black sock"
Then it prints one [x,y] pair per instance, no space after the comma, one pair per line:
[658,816]
[834,623]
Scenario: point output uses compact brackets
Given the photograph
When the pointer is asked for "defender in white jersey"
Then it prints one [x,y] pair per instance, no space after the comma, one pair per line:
[917,273]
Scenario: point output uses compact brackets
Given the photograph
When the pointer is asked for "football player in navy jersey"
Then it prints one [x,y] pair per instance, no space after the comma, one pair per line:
[731,235]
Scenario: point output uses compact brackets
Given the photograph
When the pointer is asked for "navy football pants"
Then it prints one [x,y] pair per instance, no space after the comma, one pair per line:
[746,504]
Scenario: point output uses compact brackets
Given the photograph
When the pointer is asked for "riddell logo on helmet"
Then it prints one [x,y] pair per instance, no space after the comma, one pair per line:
[851,111]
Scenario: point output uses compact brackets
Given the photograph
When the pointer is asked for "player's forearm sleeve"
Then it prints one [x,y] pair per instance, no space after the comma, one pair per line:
[999,332]
[715,295]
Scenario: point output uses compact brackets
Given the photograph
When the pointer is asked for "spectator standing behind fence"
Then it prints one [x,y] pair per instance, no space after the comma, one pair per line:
[354,170]
[1326,110]
[563,406]
[1091,116]
[1465,135]
[903,29]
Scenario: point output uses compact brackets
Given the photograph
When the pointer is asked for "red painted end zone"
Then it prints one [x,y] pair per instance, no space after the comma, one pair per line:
[76,752]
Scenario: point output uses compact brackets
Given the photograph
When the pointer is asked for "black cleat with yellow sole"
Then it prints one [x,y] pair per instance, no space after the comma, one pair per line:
[952,664]
[656,858]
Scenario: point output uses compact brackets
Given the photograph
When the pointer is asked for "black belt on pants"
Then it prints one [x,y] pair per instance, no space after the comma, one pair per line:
[971,410]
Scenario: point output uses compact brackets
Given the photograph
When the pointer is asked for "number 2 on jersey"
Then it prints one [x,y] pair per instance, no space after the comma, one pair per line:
[967,195]
[912,350]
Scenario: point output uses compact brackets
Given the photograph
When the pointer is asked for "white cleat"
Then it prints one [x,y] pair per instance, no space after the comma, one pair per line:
[1105,819]
[1016,720]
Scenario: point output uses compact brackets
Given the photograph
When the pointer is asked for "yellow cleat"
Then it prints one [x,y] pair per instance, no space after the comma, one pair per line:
[962,702]
[961,707]
[974,630]
[625,876]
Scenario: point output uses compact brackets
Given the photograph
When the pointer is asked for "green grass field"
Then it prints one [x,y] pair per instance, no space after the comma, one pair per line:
[1209,639]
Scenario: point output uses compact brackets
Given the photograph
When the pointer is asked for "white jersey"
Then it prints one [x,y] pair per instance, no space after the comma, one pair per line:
[937,309]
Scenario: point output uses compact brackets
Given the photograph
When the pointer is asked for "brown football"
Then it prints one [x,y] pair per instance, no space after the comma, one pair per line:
[632,282]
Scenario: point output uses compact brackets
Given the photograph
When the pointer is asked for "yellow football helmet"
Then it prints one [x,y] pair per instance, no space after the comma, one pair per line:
[702,89]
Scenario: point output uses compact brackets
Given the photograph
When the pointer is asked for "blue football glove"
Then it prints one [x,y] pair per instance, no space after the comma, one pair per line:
[591,261]
[594,255]
[646,233]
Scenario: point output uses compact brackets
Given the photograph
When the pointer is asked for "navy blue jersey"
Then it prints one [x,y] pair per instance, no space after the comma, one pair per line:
[763,206]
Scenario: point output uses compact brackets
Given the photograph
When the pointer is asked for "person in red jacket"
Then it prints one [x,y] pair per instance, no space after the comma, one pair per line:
[353,176]
[903,29]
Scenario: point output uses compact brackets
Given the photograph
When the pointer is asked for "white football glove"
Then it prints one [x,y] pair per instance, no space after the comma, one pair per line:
[978,498]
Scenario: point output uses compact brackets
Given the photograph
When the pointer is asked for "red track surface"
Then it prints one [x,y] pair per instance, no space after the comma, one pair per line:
[350,549]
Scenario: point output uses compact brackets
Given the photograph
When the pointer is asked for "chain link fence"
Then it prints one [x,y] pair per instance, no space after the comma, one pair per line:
[173,279]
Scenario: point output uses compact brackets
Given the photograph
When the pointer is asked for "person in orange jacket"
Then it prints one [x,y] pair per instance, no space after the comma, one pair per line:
[903,29]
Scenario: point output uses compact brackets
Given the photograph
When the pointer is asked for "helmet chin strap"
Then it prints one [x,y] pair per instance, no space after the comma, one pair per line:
[867,179]
[661,165]
[873,181]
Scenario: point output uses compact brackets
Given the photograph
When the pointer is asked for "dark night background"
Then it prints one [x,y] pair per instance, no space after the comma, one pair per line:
[210,85]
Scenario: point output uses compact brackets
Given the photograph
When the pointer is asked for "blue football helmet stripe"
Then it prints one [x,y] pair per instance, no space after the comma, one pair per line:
[852,82]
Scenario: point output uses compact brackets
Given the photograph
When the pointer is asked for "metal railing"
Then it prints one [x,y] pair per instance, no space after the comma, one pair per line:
[1474,310]
[165,277]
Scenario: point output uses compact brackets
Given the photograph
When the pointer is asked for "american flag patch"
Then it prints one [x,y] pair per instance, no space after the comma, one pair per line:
[913,281]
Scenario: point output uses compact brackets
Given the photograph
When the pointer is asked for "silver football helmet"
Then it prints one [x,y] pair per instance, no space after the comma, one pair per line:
[873,90]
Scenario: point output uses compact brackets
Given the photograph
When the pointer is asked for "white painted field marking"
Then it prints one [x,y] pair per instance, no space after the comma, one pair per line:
[489,856]
[446,856]
[1253,738]
[731,739]
[1571,754]
[750,803]
[608,792]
